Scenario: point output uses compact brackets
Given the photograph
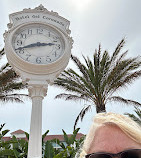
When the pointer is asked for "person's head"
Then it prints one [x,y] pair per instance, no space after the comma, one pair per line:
[112,133]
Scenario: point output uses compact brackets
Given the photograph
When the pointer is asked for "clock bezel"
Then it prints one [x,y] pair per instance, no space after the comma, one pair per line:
[43,26]
[32,68]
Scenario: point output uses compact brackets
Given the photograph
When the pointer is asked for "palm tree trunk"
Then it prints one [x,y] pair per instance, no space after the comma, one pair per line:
[100,108]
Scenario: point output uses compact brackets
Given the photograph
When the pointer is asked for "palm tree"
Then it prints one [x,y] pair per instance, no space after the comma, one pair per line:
[98,79]
[9,82]
[136,118]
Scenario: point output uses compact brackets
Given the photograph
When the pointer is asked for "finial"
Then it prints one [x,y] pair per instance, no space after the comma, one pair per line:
[41,8]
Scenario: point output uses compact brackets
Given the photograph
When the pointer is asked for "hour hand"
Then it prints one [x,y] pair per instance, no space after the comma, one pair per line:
[28,46]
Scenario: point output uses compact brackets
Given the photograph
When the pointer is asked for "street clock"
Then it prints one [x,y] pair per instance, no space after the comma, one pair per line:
[38,43]
[38,47]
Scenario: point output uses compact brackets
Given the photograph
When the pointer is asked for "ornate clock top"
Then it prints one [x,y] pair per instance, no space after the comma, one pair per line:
[38,14]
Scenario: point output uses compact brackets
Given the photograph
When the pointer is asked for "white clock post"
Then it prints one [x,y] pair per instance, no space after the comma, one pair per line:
[38,47]
[37,92]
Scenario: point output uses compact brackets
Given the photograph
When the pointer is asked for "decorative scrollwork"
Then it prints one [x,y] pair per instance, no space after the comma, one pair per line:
[9,25]
[6,34]
[37,91]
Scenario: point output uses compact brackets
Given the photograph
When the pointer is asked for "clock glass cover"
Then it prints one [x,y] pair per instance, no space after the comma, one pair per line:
[38,44]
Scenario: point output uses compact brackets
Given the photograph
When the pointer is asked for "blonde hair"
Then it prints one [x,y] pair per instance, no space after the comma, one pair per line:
[126,124]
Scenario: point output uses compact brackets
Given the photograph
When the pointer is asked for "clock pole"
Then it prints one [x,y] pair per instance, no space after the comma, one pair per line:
[37,92]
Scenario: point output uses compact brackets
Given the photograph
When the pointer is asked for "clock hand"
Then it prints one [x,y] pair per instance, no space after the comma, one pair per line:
[44,44]
[28,46]
[38,44]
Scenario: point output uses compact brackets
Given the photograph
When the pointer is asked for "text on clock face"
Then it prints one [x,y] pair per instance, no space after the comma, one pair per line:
[38,44]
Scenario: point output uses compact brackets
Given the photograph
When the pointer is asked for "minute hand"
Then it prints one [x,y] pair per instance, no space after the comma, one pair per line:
[38,44]
[44,44]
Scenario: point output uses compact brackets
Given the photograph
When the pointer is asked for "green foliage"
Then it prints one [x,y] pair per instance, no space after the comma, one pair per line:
[4,132]
[13,148]
[69,140]
[68,152]
[18,148]
[44,135]
[27,135]
[99,78]
[50,151]
[72,145]
[4,146]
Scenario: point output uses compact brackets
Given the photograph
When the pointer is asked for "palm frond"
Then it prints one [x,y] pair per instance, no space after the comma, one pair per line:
[127,80]
[70,85]
[71,81]
[138,112]
[4,67]
[7,76]
[12,97]
[136,118]
[90,82]
[122,75]
[71,97]
[121,57]
[2,53]
[80,66]
[9,82]
[117,51]
[82,114]
[96,58]
[10,87]
[123,100]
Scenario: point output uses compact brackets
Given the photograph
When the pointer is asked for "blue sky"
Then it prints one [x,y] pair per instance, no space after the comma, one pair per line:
[91,22]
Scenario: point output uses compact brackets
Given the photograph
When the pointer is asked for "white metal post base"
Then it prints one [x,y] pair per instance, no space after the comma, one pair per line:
[37,93]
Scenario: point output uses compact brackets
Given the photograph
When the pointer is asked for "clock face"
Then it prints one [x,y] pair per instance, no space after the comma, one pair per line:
[38,44]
